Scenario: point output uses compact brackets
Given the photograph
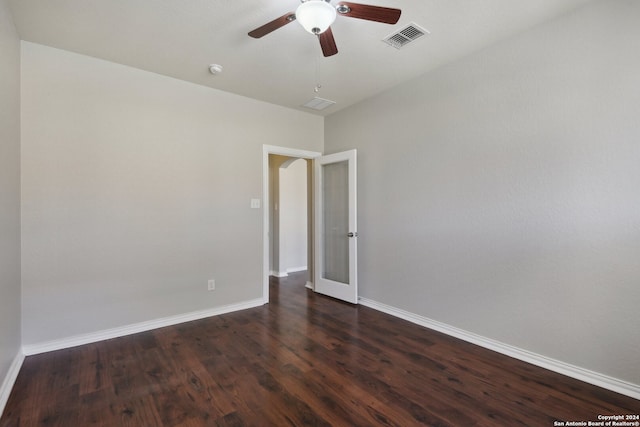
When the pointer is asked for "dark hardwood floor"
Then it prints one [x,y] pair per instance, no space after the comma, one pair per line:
[302,360]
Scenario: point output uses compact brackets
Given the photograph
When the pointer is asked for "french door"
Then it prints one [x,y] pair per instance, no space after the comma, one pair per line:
[336,232]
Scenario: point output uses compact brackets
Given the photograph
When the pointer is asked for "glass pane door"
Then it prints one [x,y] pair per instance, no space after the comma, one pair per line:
[336,232]
[335,203]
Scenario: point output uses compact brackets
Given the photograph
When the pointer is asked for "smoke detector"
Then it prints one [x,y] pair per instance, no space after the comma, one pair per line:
[215,69]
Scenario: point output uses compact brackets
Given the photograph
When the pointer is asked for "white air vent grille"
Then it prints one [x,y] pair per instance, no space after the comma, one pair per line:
[406,35]
[319,103]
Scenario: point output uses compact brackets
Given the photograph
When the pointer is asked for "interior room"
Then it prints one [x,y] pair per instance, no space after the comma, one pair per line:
[497,169]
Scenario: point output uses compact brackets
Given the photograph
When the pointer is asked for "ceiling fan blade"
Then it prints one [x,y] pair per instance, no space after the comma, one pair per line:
[273,25]
[385,15]
[328,43]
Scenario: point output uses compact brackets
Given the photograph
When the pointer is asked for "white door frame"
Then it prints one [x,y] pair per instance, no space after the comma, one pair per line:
[266,211]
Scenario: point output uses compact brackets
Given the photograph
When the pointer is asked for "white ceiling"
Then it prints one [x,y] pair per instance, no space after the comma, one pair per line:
[180,38]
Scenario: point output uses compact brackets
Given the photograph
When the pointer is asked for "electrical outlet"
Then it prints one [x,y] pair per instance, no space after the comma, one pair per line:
[211,285]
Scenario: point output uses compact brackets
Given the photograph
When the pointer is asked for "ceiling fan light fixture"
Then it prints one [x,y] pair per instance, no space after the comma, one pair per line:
[315,16]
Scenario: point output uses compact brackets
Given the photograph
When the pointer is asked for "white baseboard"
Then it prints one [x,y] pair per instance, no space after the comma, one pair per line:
[591,377]
[286,273]
[309,285]
[10,380]
[106,334]
[278,273]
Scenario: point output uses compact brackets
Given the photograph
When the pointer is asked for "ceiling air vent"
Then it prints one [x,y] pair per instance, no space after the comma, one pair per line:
[319,103]
[405,35]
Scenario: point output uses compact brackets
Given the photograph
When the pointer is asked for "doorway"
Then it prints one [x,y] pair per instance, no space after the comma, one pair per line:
[288,237]
[289,206]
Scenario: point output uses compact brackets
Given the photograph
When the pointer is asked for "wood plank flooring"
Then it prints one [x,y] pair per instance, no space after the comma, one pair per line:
[302,360]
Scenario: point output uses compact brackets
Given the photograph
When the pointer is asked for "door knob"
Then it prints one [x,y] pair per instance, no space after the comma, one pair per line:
[352,234]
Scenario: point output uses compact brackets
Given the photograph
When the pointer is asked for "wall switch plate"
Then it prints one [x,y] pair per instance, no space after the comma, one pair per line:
[211,285]
[255,203]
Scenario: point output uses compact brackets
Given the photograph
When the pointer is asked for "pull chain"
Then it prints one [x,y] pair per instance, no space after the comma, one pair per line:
[318,86]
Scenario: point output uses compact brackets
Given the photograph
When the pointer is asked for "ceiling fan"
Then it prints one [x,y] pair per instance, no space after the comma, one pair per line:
[316,16]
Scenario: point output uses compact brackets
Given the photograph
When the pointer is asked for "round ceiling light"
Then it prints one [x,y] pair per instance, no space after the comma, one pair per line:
[315,16]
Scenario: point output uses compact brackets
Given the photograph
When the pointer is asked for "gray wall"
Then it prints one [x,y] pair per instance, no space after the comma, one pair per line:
[9,191]
[293,216]
[136,189]
[500,194]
